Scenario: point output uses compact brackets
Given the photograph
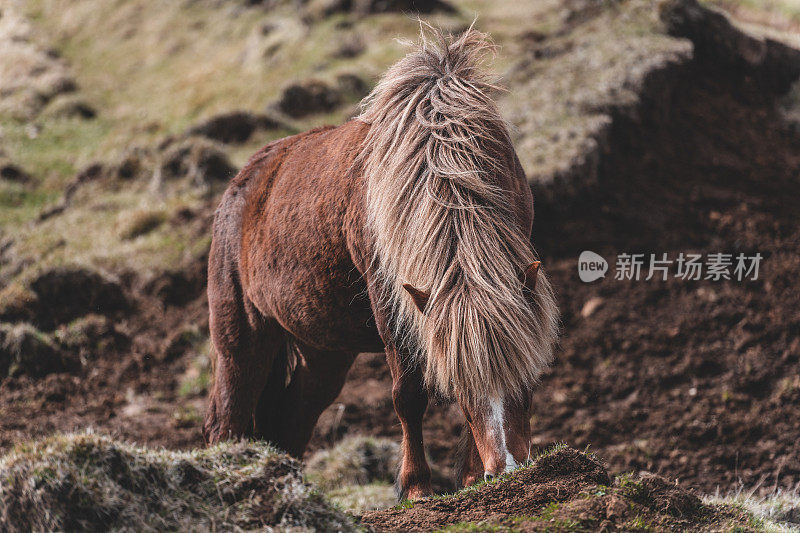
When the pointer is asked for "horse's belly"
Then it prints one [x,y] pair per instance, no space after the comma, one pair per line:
[327,312]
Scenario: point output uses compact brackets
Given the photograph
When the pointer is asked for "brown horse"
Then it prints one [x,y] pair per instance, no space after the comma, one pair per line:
[406,230]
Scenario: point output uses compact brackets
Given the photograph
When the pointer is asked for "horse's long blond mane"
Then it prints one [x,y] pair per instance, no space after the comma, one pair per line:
[432,157]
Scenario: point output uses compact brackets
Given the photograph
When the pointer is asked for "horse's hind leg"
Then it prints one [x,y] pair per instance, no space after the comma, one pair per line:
[287,412]
[244,345]
[410,402]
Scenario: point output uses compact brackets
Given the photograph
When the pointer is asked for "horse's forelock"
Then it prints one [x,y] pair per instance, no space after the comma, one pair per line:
[435,157]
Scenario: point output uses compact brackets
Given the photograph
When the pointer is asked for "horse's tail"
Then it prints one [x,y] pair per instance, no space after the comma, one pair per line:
[440,222]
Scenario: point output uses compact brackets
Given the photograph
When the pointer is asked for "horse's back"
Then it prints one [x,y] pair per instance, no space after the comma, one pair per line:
[283,225]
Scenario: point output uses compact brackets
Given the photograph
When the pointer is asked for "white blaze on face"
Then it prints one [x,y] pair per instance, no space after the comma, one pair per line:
[495,428]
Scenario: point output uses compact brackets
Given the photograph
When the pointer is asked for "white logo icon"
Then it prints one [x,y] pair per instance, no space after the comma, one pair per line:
[591,266]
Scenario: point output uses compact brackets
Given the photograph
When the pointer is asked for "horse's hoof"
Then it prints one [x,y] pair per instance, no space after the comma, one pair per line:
[418,494]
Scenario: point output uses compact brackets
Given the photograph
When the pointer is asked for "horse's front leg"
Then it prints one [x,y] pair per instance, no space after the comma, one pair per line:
[410,402]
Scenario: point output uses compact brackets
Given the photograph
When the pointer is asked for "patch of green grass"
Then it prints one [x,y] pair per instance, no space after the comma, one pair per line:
[58,148]
[187,416]
[554,523]
[197,378]
[20,204]
[638,523]
[549,509]
[633,489]
[600,490]
[405,504]
[144,73]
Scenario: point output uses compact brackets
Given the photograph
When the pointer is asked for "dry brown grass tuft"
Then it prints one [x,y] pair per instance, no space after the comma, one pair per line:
[354,461]
[139,222]
[90,482]
[358,473]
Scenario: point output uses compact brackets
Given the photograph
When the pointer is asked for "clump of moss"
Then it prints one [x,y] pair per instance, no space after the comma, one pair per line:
[91,482]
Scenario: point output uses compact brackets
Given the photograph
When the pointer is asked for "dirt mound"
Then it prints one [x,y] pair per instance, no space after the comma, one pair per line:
[308,97]
[178,287]
[562,490]
[317,96]
[66,293]
[351,86]
[12,172]
[25,350]
[357,474]
[61,294]
[366,7]
[197,160]
[234,127]
[89,482]
[88,336]
[563,138]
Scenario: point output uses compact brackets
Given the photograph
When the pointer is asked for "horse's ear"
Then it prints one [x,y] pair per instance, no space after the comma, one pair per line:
[528,277]
[420,298]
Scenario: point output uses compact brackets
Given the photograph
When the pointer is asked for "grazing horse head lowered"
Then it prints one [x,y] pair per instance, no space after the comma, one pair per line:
[407,229]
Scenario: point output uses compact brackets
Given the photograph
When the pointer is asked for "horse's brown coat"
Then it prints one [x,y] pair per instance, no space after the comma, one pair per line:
[294,297]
